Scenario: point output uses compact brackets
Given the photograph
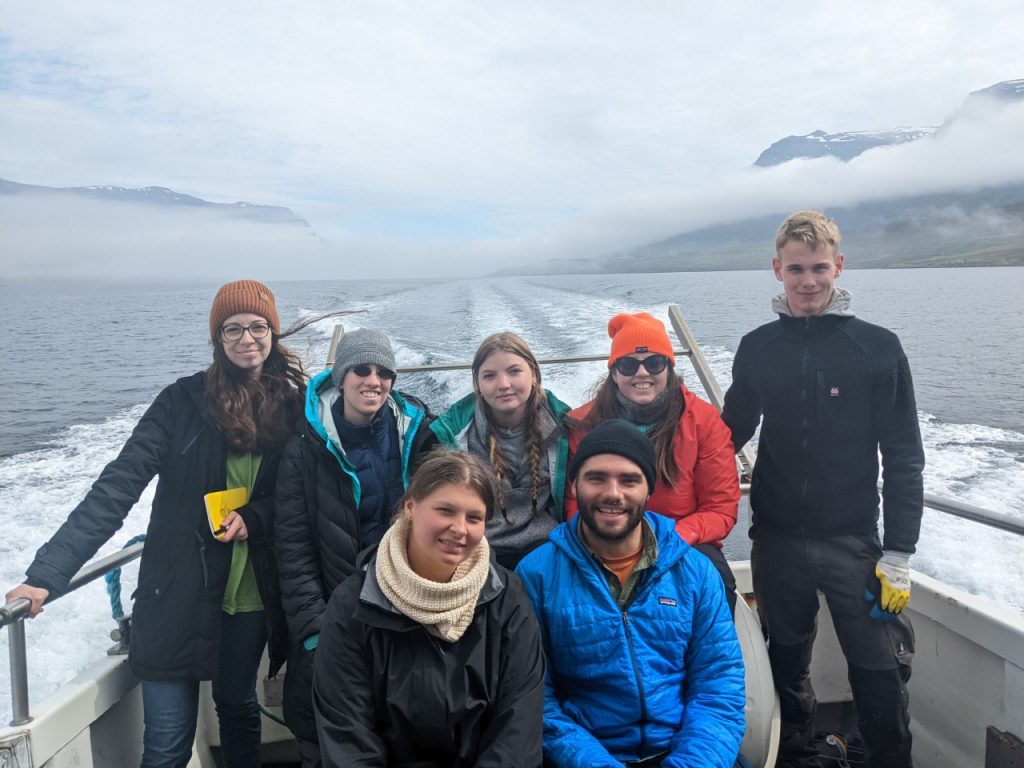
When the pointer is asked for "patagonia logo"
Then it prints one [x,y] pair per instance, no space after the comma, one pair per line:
[833,392]
[641,349]
[666,601]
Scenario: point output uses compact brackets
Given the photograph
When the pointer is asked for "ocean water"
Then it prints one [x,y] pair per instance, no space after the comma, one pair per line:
[83,361]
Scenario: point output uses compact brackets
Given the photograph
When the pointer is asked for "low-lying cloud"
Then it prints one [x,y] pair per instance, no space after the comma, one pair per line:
[81,238]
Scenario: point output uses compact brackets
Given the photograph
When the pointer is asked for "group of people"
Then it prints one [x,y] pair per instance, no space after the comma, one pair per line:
[514,582]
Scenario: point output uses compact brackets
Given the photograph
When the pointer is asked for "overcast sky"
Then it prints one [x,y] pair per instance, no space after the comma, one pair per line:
[450,137]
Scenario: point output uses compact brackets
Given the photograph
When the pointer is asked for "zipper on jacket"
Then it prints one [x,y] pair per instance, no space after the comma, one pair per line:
[195,437]
[804,400]
[378,465]
[639,684]
[202,559]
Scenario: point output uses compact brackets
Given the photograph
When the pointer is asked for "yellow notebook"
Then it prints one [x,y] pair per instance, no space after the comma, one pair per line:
[220,503]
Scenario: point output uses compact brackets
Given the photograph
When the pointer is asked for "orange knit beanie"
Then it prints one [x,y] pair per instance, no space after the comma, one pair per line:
[243,296]
[641,332]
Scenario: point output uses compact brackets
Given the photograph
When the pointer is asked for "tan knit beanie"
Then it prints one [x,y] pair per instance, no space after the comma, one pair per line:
[243,296]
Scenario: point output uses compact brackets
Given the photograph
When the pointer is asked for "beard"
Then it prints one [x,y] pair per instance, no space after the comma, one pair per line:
[611,531]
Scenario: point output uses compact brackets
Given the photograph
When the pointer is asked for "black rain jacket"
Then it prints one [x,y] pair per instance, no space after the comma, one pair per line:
[388,693]
[183,571]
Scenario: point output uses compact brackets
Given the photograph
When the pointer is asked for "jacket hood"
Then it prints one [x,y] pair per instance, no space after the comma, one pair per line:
[322,394]
[671,548]
[451,426]
[839,304]
[195,387]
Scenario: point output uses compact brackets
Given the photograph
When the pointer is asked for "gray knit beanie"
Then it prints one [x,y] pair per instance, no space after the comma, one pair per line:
[361,347]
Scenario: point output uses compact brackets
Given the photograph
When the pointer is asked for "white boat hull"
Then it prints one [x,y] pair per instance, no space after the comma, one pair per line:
[968,675]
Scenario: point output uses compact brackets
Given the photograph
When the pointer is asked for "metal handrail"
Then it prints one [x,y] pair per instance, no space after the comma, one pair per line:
[707,378]
[13,615]
[999,520]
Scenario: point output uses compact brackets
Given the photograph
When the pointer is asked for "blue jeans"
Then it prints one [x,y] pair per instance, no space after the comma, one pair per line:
[170,707]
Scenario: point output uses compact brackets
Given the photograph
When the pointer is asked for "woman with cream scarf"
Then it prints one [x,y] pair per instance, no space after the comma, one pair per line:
[430,654]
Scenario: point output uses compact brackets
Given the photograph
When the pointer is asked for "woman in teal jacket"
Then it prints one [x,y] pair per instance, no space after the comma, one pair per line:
[663,675]
[514,426]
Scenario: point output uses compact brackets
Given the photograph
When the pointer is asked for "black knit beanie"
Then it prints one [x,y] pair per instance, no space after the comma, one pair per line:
[620,437]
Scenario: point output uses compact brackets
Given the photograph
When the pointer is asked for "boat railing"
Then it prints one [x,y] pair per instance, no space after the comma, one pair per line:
[13,614]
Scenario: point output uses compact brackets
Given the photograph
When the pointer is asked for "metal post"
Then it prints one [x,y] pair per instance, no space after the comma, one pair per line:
[339,331]
[19,674]
[707,378]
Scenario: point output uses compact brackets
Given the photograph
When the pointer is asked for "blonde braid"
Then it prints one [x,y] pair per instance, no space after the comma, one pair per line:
[534,440]
[497,466]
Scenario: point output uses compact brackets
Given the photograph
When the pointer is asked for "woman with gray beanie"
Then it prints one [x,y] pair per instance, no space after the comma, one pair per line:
[339,482]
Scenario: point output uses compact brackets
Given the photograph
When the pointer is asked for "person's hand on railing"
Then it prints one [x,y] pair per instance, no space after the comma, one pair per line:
[36,595]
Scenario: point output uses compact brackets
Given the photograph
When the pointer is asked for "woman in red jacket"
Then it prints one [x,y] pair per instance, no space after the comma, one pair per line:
[698,484]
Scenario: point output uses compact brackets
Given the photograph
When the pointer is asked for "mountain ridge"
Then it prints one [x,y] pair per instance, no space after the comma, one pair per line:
[163,196]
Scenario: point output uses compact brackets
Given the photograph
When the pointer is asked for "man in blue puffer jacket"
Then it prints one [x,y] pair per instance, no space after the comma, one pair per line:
[643,664]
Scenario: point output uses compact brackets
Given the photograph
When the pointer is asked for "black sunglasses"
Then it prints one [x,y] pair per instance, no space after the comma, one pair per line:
[362,371]
[628,366]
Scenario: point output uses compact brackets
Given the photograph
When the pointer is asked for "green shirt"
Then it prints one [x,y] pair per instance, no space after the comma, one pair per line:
[623,593]
[241,593]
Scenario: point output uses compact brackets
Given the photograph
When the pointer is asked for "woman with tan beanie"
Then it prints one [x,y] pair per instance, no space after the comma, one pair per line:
[697,483]
[207,598]
[430,653]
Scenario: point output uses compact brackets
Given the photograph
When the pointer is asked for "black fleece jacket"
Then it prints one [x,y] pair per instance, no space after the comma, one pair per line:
[835,392]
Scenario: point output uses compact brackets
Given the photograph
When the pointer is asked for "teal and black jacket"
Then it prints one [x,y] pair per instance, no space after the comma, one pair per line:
[452,430]
[525,519]
[317,530]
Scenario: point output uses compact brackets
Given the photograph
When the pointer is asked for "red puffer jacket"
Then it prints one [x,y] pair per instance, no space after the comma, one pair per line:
[707,491]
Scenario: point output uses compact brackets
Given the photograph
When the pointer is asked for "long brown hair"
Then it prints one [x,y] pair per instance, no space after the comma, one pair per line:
[605,406]
[258,414]
[507,341]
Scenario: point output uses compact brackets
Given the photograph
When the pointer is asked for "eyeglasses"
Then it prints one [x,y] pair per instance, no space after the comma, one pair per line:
[362,371]
[235,332]
[628,366]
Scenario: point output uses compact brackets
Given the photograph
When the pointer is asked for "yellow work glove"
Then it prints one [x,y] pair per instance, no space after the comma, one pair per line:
[893,572]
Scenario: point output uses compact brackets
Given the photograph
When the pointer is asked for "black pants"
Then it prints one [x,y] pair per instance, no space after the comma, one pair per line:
[788,571]
[714,554]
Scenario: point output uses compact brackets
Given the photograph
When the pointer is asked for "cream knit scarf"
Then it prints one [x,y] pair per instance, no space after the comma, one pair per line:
[445,609]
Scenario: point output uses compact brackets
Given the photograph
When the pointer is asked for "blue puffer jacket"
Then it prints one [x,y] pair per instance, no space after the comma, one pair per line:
[665,675]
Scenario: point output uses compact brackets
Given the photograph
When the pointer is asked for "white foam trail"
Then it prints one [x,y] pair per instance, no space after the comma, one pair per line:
[37,491]
[981,466]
